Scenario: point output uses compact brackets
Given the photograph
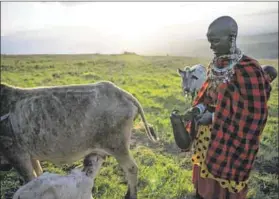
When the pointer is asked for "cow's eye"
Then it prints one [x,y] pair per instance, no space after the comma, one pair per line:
[194,77]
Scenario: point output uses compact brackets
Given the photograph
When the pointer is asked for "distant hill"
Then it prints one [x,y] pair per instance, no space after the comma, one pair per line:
[167,41]
[262,46]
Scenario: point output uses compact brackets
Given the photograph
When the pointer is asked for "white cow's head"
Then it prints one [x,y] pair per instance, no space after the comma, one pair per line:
[192,78]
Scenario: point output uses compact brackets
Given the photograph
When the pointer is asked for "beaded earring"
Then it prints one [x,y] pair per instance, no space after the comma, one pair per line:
[233,45]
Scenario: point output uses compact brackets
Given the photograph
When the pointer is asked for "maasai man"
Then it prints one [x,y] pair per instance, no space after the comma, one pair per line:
[232,113]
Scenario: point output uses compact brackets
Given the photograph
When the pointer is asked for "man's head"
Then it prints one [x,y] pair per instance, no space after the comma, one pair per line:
[221,34]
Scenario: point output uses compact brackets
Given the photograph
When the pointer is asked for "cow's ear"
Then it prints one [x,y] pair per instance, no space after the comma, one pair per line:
[180,72]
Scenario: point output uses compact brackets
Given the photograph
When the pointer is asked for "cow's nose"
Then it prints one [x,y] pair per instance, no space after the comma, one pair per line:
[186,89]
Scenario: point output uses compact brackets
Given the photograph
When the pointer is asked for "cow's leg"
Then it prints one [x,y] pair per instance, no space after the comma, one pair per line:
[23,165]
[37,167]
[130,168]
[119,148]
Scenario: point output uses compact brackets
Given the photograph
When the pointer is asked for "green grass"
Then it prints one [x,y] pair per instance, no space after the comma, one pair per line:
[163,172]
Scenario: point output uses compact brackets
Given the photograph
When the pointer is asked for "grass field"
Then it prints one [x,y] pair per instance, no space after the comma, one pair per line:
[164,172]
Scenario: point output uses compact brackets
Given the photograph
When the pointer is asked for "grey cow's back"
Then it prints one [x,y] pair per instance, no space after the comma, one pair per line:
[49,120]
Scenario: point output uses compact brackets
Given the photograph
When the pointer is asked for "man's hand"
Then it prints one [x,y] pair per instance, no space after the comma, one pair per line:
[191,113]
[205,119]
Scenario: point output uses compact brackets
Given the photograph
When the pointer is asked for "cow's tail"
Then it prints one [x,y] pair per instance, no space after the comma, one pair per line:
[148,128]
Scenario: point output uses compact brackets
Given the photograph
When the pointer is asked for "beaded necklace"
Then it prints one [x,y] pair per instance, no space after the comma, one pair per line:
[223,73]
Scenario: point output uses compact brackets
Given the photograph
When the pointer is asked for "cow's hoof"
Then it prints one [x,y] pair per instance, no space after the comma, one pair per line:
[127,196]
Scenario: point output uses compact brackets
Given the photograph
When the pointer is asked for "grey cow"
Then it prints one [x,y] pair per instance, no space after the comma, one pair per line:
[192,79]
[65,123]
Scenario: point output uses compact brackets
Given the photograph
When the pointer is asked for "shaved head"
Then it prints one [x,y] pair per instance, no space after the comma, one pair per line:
[223,26]
[221,34]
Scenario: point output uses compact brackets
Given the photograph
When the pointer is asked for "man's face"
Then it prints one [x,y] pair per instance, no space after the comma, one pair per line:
[219,41]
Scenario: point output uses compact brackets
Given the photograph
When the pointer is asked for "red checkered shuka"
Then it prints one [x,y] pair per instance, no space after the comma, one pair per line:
[239,119]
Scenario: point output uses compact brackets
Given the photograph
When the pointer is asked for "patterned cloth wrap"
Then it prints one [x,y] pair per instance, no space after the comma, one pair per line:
[239,119]
[198,158]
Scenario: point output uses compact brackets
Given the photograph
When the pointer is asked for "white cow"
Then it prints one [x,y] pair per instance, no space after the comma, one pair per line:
[192,79]
[76,185]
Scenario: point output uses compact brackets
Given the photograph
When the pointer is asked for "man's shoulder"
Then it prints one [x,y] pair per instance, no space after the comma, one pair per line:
[247,63]
[247,60]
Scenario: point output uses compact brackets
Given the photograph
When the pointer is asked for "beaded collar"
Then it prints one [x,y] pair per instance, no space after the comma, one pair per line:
[221,69]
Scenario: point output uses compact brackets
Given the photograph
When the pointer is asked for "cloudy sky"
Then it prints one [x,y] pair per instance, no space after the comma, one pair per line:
[132,21]
[133,18]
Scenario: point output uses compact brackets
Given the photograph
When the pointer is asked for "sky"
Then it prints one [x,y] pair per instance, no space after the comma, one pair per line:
[131,18]
[131,22]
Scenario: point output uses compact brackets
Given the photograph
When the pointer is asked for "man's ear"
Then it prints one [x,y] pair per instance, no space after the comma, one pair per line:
[180,72]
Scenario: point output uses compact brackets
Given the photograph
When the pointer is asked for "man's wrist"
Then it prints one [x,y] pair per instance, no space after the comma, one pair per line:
[201,107]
